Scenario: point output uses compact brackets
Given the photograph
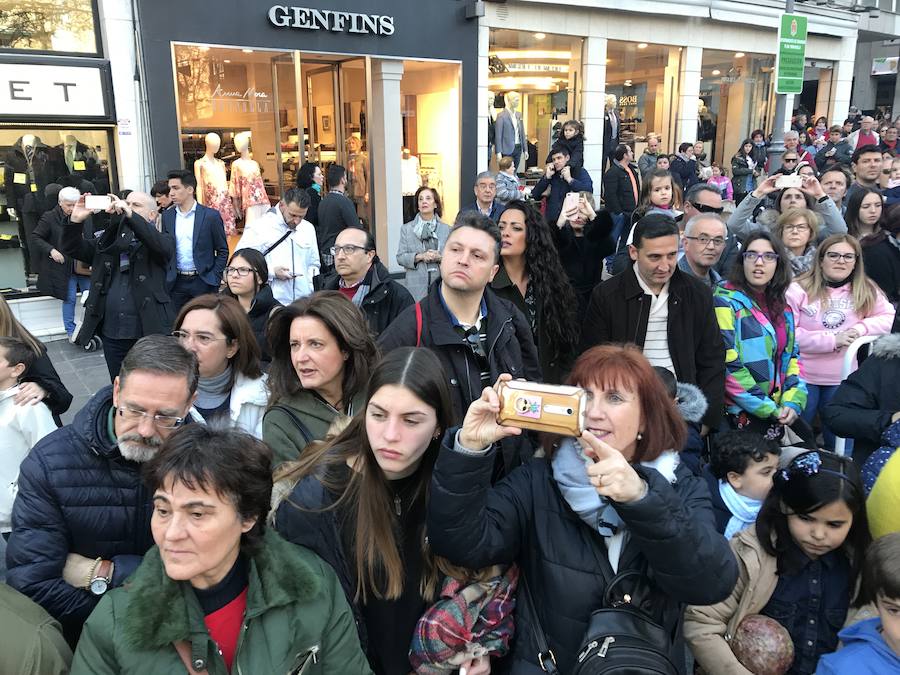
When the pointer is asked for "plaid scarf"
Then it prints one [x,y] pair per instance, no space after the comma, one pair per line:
[467,622]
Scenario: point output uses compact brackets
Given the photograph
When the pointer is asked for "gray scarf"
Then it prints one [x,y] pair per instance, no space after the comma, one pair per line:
[212,391]
[803,263]
[425,229]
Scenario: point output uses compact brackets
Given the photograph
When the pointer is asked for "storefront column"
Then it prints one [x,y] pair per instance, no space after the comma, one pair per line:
[385,141]
[788,112]
[843,81]
[593,96]
[118,36]
[688,95]
[484,96]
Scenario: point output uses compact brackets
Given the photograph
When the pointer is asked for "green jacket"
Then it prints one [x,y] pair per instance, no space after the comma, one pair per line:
[297,622]
[33,643]
[283,436]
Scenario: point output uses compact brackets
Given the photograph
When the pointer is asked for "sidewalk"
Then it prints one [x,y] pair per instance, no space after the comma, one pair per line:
[83,373]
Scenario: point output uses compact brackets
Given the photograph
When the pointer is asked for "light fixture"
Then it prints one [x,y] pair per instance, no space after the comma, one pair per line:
[521,54]
[540,36]
[226,60]
[204,49]
[717,72]
[247,51]
[642,45]
[609,60]
[739,55]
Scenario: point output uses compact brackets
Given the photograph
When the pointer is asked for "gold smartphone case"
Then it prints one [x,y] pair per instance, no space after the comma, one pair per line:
[556,409]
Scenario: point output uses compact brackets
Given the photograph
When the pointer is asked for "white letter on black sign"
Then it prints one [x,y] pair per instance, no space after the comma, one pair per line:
[278,16]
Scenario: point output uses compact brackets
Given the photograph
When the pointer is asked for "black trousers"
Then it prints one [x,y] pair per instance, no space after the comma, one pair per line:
[114,351]
[188,288]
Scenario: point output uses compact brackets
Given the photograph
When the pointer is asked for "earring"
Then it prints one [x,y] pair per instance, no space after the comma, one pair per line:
[640,435]
[437,435]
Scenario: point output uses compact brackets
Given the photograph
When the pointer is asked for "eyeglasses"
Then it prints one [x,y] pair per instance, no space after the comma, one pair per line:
[704,208]
[795,227]
[753,256]
[202,339]
[706,241]
[834,256]
[161,421]
[240,271]
[347,249]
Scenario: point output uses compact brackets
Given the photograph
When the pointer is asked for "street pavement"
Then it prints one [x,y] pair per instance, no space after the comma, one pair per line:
[83,373]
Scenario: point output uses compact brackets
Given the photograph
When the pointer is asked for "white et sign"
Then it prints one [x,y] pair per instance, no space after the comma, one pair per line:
[59,91]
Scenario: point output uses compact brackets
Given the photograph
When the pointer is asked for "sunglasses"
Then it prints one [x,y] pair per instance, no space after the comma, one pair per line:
[704,208]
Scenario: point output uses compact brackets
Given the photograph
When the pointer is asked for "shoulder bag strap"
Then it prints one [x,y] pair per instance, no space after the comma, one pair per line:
[292,416]
[545,657]
[418,324]
[183,647]
[275,245]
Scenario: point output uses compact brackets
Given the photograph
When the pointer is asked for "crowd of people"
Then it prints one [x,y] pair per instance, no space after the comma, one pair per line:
[299,464]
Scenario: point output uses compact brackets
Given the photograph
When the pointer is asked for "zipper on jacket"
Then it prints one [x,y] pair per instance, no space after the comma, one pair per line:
[305,659]
[237,649]
[398,505]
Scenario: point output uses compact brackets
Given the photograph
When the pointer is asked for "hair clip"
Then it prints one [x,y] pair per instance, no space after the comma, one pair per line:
[807,464]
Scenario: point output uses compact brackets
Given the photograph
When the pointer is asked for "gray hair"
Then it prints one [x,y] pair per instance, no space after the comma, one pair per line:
[484,174]
[163,355]
[68,194]
[700,217]
[791,134]
[694,191]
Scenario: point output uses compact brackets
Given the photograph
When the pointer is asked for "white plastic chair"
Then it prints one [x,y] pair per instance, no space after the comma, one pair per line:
[841,443]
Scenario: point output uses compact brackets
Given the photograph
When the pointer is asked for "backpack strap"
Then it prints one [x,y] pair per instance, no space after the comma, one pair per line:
[295,420]
[275,245]
[418,324]
[545,656]
[183,647]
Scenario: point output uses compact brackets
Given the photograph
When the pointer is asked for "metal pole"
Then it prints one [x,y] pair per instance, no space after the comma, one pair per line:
[776,147]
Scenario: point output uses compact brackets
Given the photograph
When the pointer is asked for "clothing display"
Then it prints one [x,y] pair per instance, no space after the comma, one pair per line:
[82,163]
[212,189]
[246,187]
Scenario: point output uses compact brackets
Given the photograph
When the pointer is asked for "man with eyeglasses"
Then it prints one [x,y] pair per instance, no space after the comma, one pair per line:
[129,260]
[81,518]
[288,241]
[364,281]
[704,198]
[705,236]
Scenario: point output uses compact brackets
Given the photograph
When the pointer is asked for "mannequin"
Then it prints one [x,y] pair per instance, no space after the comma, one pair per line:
[247,190]
[612,128]
[410,181]
[79,158]
[358,176]
[212,183]
[509,131]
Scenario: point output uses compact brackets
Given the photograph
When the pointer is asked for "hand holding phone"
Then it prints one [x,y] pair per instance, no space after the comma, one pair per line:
[570,203]
[97,202]
[555,409]
[788,181]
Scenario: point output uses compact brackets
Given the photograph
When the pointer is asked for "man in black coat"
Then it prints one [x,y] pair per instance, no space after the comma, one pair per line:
[361,277]
[561,178]
[665,312]
[476,335]
[622,183]
[336,213]
[81,518]
[128,298]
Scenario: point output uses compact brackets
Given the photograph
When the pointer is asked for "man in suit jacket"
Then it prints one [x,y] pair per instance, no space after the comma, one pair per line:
[201,249]
[509,136]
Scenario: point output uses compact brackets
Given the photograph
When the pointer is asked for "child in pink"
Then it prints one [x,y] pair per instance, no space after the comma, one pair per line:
[720,181]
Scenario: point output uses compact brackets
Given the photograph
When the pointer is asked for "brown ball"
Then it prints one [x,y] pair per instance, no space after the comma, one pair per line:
[763,646]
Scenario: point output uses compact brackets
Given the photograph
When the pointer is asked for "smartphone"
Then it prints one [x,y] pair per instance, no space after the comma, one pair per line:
[570,202]
[556,409]
[791,181]
[97,202]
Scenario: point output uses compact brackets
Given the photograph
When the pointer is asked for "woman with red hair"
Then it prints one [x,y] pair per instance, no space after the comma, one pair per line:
[615,499]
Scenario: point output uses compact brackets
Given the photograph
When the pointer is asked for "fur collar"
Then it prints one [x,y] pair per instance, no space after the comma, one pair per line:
[160,609]
[692,404]
[887,347]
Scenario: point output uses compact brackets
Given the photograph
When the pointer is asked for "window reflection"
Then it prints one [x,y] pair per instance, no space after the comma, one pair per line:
[48,25]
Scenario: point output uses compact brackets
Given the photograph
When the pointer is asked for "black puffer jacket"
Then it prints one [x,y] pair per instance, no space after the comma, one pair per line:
[385,300]
[525,519]
[76,495]
[864,403]
[260,310]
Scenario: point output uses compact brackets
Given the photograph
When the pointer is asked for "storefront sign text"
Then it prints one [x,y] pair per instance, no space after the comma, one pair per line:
[58,91]
[283,16]
[248,101]
[791,58]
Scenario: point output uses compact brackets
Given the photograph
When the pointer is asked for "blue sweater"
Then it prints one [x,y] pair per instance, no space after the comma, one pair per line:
[864,653]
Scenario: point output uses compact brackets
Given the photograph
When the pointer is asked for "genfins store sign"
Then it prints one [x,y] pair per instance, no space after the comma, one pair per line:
[304,18]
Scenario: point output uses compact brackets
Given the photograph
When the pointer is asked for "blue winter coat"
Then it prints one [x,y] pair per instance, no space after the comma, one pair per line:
[864,652]
[76,495]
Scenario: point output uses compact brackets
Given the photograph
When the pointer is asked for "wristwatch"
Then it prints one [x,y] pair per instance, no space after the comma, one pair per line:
[102,578]
[822,199]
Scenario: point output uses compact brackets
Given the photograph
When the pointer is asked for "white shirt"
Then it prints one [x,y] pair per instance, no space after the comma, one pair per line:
[184,239]
[515,119]
[299,253]
[656,341]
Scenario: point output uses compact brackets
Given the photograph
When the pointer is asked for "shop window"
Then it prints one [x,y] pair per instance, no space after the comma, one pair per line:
[736,97]
[49,25]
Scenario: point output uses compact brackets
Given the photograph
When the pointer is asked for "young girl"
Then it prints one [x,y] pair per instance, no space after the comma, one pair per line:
[743,167]
[659,194]
[798,566]
[572,139]
[720,180]
[821,128]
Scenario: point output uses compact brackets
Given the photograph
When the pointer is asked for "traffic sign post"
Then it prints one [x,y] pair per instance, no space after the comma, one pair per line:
[791,56]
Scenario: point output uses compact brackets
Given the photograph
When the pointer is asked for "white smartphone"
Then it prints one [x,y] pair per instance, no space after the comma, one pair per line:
[791,181]
[97,202]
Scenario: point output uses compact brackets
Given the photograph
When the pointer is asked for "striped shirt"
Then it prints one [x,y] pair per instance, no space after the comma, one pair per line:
[656,340]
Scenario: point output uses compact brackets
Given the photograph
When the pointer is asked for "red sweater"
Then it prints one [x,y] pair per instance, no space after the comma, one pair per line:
[224,626]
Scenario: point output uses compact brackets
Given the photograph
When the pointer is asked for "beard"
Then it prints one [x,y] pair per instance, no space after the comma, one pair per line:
[137,448]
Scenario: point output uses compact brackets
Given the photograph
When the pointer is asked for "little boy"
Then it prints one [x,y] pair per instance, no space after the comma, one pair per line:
[872,646]
[739,474]
[892,191]
[21,426]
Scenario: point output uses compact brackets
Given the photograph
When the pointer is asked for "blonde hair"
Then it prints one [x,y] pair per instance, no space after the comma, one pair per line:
[10,327]
[505,163]
[864,291]
[813,221]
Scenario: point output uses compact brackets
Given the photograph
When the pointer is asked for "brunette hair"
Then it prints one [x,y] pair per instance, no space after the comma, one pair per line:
[305,175]
[364,492]
[574,124]
[10,327]
[647,186]
[235,326]
[505,163]
[778,285]
[438,207]
[234,464]
[257,262]
[812,480]
[347,325]
[810,202]
[881,570]
[854,203]
[14,352]
[626,367]
[863,290]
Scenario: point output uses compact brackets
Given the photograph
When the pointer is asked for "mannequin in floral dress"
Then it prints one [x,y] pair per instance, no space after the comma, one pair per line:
[212,183]
[248,193]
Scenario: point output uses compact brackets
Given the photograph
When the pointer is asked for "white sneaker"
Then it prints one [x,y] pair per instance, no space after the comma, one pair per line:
[72,339]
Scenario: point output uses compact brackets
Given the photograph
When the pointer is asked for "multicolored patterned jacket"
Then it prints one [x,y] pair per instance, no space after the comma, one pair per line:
[757,380]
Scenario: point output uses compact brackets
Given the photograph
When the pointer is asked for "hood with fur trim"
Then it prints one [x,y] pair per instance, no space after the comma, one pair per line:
[691,402]
[887,347]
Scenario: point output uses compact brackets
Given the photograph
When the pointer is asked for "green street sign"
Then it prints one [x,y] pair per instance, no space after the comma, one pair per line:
[791,54]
